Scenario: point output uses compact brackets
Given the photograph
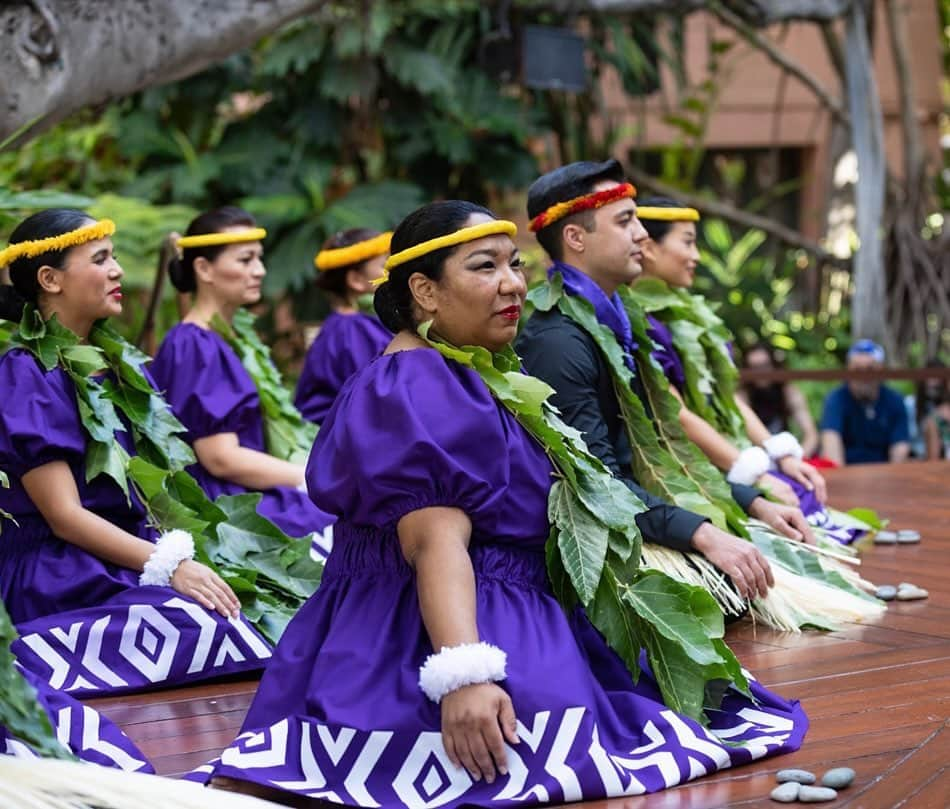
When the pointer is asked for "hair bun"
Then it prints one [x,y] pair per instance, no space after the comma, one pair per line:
[11,304]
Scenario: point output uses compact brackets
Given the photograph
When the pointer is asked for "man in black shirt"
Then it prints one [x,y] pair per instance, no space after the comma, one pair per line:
[585,218]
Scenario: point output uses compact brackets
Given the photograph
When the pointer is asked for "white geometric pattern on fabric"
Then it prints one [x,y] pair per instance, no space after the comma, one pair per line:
[552,744]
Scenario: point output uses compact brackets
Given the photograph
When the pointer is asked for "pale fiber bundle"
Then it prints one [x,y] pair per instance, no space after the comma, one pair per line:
[794,601]
[42,783]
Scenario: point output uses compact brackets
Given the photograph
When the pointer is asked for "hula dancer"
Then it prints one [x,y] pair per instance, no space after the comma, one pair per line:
[202,368]
[349,338]
[693,348]
[102,602]
[435,639]
[588,340]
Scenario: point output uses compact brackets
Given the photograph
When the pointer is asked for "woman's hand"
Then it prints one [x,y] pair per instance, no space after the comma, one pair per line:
[201,583]
[476,722]
[787,520]
[778,488]
[806,474]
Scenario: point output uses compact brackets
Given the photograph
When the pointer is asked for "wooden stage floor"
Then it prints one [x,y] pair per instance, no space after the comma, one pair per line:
[877,695]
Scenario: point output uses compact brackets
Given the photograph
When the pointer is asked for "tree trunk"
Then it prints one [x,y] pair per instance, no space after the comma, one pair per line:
[868,308]
[59,56]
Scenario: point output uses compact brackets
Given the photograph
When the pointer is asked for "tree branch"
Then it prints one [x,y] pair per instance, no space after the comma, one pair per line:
[724,210]
[765,45]
[759,12]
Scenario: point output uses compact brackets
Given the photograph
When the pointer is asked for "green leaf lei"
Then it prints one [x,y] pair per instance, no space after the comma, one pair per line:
[20,712]
[702,340]
[271,573]
[593,552]
[287,435]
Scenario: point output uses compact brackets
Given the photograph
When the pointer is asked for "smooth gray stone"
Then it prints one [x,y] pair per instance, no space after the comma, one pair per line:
[886,592]
[816,794]
[798,776]
[885,538]
[838,778]
[786,793]
[911,592]
[908,536]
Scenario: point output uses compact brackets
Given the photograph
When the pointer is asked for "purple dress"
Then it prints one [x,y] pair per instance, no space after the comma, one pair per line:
[668,357]
[86,626]
[210,391]
[83,730]
[339,714]
[346,343]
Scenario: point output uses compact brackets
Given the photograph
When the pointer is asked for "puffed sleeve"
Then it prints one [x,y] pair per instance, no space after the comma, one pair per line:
[410,431]
[39,418]
[204,382]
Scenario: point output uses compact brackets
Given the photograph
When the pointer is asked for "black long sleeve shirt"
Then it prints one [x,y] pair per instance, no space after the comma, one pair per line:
[554,348]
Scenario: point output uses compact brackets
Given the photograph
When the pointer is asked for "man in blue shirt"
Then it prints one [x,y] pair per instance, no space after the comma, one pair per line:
[865,422]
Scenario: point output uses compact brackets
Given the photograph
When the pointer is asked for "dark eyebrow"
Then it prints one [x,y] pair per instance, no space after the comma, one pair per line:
[102,251]
[487,250]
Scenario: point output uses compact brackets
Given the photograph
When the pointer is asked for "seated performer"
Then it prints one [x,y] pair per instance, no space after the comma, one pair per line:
[725,428]
[99,604]
[349,338]
[209,389]
[778,405]
[865,422]
[440,547]
[595,247]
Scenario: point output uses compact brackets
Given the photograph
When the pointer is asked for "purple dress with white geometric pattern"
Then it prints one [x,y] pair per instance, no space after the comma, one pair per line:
[339,713]
[86,626]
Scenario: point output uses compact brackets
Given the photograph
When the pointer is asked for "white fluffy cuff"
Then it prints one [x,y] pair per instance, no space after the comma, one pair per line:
[752,463]
[172,548]
[781,445]
[458,666]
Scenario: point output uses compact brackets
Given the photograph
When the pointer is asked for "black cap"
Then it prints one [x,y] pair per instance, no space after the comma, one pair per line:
[568,182]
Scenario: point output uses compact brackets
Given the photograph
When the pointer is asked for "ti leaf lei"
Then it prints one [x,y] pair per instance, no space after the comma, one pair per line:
[702,341]
[593,552]
[287,434]
[271,573]
[20,712]
[664,460]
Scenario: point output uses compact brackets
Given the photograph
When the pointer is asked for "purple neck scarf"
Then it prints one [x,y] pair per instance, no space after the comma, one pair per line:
[609,311]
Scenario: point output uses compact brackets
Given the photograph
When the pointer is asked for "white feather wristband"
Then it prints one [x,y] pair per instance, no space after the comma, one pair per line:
[458,666]
[172,548]
[781,445]
[752,463]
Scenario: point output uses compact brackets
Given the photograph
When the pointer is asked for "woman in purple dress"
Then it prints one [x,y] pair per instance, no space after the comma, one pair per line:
[100,606]
[440,546]
[349,339]
[208,387]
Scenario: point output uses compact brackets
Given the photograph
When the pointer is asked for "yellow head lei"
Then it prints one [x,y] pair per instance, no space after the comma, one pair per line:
[37,247]
[222,237]
[353,253]
[469,234]
[668,214]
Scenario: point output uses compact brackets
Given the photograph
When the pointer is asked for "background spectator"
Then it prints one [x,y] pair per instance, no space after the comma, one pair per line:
[864,422]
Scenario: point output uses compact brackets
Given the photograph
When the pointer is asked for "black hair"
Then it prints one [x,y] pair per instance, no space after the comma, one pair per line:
[768,402]
[657,228]
[334,281]
[25,285]
[393,300]
[561,185]
[181,271]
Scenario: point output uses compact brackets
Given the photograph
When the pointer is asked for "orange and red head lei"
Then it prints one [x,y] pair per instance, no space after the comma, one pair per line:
[587,202]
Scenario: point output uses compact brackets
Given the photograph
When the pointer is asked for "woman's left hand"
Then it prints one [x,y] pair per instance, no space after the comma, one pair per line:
[787,520]
[806,474]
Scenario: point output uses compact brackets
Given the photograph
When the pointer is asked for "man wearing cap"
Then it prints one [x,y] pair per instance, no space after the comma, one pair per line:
[585,218]
[865,422]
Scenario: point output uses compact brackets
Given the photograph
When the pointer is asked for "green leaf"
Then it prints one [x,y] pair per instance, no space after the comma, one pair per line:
[20,712]
[582,540]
